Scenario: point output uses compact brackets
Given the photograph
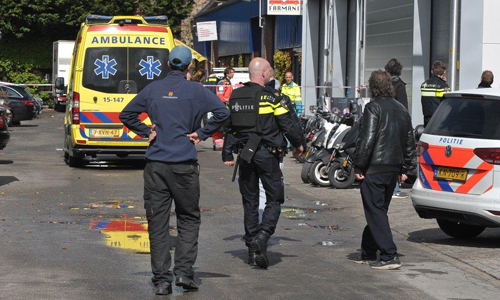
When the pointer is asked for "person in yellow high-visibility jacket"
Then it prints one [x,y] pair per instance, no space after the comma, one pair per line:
[292,90]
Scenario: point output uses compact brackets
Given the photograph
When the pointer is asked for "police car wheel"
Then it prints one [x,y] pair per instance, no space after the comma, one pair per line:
[459,230]
[339,177]
[304,174]
[318,175]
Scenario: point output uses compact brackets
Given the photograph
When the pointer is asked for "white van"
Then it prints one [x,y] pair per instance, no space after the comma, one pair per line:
[241,75]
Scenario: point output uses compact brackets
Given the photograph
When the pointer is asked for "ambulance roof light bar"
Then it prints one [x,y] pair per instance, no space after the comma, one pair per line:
[160,20]
[98,19]
[95,19]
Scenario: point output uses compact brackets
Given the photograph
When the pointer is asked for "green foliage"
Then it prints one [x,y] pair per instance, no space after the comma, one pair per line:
[241,62]
[232,61]
[282,63]
[30,27]
[61,19]
[47,100]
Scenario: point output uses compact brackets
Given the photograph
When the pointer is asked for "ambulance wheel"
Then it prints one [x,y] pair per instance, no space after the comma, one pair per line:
[75,162]
[318,175]
[459,230]
[304,174]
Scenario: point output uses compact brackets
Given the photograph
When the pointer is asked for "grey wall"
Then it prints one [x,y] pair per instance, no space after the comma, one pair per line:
[471,43]
[440,41]
[389,34]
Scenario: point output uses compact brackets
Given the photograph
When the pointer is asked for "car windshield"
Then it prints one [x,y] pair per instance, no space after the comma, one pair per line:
[466,117]
[108,69]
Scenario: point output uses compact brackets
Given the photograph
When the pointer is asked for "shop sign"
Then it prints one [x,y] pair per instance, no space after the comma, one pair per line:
[207,31]
[284,7]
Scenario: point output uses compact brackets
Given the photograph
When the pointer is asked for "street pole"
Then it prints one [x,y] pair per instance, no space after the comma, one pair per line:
[453,42]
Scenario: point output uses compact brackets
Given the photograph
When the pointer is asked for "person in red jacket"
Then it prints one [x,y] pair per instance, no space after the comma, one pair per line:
[224,91]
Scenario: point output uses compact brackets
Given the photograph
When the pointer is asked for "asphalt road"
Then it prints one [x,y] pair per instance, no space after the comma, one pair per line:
[80,234]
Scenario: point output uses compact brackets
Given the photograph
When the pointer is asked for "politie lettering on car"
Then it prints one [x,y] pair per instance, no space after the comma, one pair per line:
[114,58]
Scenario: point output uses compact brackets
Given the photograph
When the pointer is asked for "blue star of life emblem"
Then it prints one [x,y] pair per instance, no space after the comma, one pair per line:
[150,67]
[105,67]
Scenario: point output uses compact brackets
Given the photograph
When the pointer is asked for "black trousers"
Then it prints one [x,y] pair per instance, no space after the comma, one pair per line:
[164,182]
[264,166]
[376,192]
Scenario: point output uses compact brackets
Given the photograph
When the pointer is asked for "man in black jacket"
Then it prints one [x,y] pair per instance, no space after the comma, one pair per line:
[486,80]
[394,67]
[384,151]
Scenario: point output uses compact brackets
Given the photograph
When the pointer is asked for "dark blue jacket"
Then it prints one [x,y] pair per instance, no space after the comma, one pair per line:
[177,107]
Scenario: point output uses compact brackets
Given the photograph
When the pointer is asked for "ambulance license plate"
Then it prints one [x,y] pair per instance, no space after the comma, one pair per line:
[450,174]
[104,133]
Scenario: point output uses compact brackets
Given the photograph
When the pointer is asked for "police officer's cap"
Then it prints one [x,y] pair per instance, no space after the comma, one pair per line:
[180,56]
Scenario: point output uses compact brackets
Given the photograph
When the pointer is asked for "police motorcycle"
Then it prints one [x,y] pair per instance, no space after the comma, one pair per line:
[310,127]
[317,130]
[340,169]
[318,173]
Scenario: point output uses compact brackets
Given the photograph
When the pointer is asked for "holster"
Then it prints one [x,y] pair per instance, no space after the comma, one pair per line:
[251,146]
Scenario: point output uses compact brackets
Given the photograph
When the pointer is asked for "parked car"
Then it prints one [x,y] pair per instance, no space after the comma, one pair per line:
[4,128]
[459,164]
[21,103]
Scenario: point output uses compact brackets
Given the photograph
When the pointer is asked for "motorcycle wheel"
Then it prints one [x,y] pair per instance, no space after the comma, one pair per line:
[339,178]
[304,174]
[317,174]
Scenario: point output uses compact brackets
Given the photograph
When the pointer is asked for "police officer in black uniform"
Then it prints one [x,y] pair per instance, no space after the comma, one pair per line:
[259,118]
[433,89]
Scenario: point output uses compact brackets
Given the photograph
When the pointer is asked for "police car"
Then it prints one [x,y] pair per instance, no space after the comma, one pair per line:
[459,164]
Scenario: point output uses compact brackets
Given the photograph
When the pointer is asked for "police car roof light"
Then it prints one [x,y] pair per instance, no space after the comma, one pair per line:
[95,19]
[161,20]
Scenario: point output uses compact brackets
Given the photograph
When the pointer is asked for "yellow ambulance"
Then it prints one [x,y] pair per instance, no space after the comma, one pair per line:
[114,59]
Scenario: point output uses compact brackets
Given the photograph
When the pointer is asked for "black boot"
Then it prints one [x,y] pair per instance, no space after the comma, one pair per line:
[259,246]
[251,257]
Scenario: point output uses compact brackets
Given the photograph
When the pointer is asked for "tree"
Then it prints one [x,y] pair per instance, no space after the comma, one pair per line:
[61,18]
[29,27]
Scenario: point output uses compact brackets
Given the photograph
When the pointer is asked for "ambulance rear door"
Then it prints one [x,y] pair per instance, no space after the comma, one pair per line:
[119,62]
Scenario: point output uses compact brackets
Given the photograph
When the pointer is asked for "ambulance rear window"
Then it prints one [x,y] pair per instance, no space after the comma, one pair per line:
[107,69]
[468,118]
[104,68]
[147,65]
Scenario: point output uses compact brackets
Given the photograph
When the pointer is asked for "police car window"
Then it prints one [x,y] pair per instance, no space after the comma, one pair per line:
[462,117]
[147,65]
[104,68]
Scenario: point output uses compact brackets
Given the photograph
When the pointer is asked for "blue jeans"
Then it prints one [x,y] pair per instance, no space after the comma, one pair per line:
[397,189]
